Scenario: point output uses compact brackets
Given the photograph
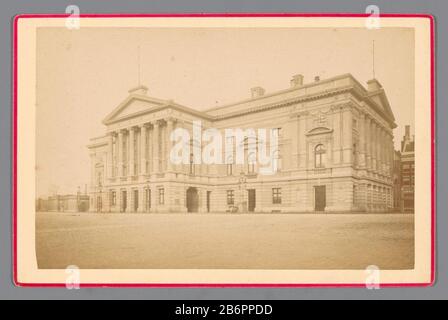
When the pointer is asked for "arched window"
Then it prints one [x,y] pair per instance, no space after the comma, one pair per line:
[319,156]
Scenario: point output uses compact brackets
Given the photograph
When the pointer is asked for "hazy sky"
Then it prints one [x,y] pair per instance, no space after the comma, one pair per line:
[82,75]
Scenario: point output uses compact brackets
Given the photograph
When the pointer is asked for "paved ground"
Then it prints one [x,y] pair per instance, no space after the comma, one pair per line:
[263,241]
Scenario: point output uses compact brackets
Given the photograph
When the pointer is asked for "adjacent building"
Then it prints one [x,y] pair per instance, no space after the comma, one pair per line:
[407,170]
[335,154]
[64,203]
[397,181]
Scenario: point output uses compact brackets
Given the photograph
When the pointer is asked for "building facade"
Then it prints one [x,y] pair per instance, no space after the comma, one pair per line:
[64,203]
[397,181]
[335,153]
[407,171]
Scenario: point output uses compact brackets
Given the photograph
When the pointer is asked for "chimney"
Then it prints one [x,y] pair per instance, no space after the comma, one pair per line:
[373,85]
[316,78]
[141,90]
[297,80]
[257,92]
[407,130]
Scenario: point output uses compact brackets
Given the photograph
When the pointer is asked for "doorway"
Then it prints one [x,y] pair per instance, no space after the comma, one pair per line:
[251,200]
[148,199]
[135,200]
[99,204]
[208,200]
[192,200]
[320,198]
[124,203]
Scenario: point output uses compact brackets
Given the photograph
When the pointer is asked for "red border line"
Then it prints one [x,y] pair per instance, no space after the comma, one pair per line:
[219,285]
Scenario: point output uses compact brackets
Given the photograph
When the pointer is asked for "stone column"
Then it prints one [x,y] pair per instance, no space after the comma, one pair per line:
[169,144]
[347,135]
[120,153]
[131,152]
[143,147]
[110,155]
[155,147]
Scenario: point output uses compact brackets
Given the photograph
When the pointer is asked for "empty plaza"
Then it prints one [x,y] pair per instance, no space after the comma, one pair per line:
[224,241]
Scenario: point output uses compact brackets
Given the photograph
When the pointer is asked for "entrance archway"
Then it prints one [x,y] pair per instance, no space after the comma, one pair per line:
[192,200]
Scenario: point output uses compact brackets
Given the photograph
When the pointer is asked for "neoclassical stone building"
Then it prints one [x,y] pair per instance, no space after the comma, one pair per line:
[335,153]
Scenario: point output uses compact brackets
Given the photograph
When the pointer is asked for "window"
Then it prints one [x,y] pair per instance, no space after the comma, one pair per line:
[161,196]
[355,159]
[113,198]
[319,156]
[276,195]
[230,197]
[230,169]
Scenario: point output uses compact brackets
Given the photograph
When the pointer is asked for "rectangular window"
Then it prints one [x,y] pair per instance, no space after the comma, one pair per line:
[161,196]
[276,195]
[230,197]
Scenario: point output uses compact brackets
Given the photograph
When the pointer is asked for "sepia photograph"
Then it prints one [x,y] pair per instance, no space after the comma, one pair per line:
[226,150]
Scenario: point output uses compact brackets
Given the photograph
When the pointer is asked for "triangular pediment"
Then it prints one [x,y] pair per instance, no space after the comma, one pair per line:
[134,105]
[380,99]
